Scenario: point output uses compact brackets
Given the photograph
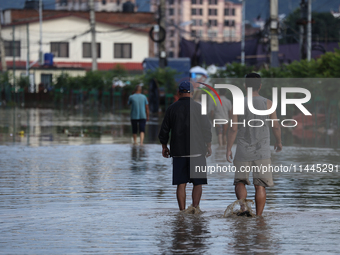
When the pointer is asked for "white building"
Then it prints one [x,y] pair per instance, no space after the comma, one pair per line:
[83,5]
[67,35]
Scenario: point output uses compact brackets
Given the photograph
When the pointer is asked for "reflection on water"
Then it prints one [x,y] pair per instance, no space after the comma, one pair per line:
[251,235]
[189,234]
[39,127]
[119,199]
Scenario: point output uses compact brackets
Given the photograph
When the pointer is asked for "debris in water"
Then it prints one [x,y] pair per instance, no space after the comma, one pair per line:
[192,210]
[244,210]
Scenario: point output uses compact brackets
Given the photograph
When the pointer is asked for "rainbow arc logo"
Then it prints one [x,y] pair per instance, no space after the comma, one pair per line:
[208,92]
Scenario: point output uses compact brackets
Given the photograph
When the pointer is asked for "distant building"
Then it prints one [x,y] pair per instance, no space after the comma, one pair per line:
[208,20]
[67,36]
[99,5]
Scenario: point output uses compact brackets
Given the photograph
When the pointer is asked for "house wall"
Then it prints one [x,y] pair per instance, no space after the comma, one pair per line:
[73,30]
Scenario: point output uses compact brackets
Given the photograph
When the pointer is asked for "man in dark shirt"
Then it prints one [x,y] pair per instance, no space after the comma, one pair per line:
[190,143]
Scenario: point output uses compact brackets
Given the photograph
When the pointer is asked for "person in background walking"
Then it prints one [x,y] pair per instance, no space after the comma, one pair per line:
[222,112]
[139,113]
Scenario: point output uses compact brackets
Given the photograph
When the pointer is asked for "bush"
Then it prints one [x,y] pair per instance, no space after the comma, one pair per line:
[23,82]
[164,77]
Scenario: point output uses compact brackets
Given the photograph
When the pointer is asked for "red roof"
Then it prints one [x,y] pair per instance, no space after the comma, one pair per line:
[135,19]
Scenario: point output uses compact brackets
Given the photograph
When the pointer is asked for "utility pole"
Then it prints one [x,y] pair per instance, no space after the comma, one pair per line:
[13,51]
[302,23]
[28,50]
[161,46]
[243,32]
[309,31]
[93,36]
[3,53]
[40,40]
[274,41]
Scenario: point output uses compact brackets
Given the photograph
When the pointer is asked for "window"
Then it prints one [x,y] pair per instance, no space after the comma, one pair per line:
[172,44]
[200,11]
[226,12]
[171,54]
[232,12]
[63,2]
[103,2]
[172,33]
[213,2]
[193,33]
[229,33]
[213,12]
[212,33]
[229,23]
[171,2]
[199,33]
[60,49]
[197,22]
[213,22]
[9,48]
[87,52]
[46,80]
[122,50]
[193,11]
[196,1]
[171,11]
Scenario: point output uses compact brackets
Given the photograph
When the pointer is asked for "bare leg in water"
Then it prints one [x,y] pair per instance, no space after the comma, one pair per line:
[134,138]
[181,195]
[141,138]
[241,193]
[196,195]
[260,199]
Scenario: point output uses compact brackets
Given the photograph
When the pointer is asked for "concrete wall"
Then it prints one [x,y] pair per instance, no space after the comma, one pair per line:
[70,29]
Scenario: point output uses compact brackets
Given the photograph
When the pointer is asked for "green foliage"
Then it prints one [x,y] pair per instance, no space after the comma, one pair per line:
[164,77]
[4,78]
[93,80]
[101,80]
[23,82]
[234,70]
[130,88]
[325,27]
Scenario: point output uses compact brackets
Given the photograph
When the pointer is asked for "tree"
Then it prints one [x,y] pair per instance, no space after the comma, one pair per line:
[324,27]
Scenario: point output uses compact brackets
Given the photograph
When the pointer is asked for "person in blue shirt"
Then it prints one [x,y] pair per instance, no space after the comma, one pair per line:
[139,113]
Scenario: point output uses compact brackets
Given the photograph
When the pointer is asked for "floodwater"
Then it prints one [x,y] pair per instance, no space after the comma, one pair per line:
[88,190]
